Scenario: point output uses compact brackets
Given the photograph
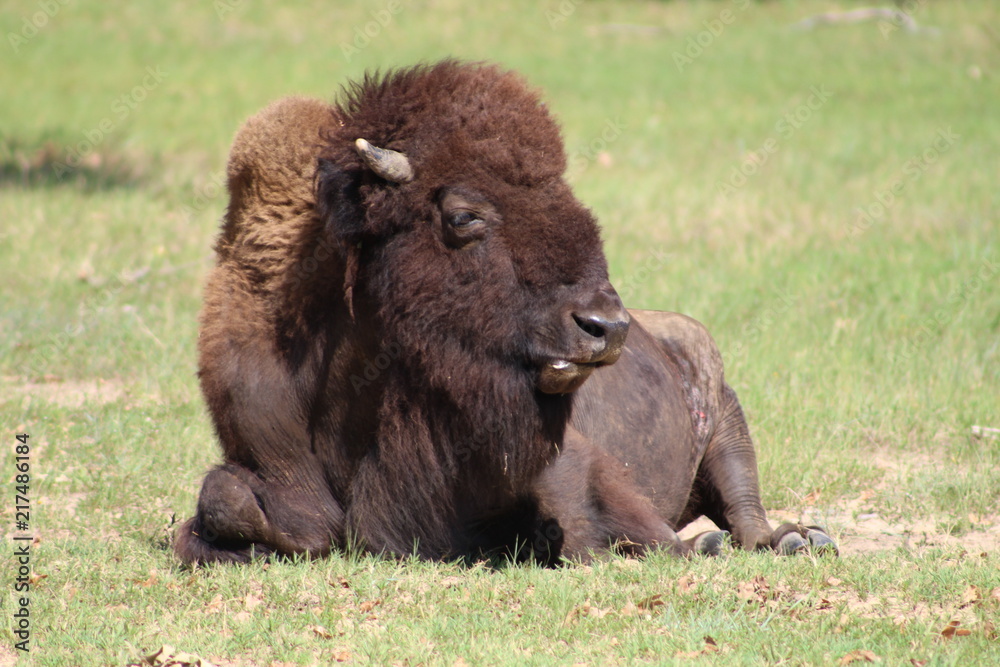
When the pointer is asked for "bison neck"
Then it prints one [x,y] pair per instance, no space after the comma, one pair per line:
[447,458]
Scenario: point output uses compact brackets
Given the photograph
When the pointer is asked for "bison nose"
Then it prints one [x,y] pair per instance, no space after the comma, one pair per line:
[604,325]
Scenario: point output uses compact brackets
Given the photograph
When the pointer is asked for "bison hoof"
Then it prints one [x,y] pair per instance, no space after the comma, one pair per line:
[820,543]
[712,543]
[792,544]
[790,539]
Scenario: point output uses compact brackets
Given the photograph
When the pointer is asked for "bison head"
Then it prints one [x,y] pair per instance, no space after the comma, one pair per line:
[463,245]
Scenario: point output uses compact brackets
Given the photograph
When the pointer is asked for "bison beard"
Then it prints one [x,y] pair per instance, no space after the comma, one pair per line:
[397,338]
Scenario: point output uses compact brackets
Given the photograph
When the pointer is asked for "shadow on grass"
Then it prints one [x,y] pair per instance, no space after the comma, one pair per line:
[50,163]
[495,561]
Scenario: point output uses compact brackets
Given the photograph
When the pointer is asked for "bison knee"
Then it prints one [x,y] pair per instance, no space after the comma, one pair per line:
[230,526]
[195,545]
[228,508]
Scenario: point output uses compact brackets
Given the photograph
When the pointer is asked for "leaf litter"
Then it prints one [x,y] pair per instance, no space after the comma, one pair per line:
[168,656]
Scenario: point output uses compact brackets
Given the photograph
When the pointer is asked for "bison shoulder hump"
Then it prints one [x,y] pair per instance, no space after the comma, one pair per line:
[275,152]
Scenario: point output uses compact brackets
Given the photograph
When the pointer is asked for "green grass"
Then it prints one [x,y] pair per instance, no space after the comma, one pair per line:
[863,352]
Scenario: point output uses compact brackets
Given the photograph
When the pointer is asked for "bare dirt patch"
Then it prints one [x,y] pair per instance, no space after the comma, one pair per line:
[7,656]
[860,528]
[863,529]
[870,533]
[64,393]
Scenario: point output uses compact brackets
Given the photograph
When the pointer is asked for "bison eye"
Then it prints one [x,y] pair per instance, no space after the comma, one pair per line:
[466,218]
[463,219]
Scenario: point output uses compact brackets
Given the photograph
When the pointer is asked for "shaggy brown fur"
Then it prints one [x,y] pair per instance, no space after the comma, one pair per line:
[393,363]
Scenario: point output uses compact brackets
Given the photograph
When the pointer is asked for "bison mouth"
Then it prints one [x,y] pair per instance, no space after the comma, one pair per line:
[593,334]
[561,376]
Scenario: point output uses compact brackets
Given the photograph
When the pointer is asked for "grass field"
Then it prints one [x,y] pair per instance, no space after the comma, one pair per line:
[826,200]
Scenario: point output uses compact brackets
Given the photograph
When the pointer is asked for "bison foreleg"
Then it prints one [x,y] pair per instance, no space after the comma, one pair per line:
[730,492]
[239,517]
[595,507]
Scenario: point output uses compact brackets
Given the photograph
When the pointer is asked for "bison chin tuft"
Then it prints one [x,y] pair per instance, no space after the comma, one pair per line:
[563,377]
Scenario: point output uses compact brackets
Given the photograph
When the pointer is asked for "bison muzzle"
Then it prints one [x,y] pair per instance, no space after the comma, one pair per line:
[410,343]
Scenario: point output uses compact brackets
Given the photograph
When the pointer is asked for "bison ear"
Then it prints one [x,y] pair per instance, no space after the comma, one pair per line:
[338,201]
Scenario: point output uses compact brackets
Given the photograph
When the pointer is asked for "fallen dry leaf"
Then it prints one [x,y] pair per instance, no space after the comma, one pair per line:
[972,595]
[952,630]
[745,591]
[754,590]
[320,631]
[342,656]
[344,626]
[368,605]
[188,660]
[711,646]
[650,603]
[167,656]
[148,582]
[598,612]
[686,584]
[214,606]
[585,610]
[858,656]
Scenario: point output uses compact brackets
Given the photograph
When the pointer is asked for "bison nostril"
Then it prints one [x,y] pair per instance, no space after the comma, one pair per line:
[593,326]
[601,327]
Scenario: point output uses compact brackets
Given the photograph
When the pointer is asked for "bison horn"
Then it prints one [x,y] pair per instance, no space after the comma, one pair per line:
[389,164]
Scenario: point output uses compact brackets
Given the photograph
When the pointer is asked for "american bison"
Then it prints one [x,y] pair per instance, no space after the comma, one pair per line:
[409,343]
